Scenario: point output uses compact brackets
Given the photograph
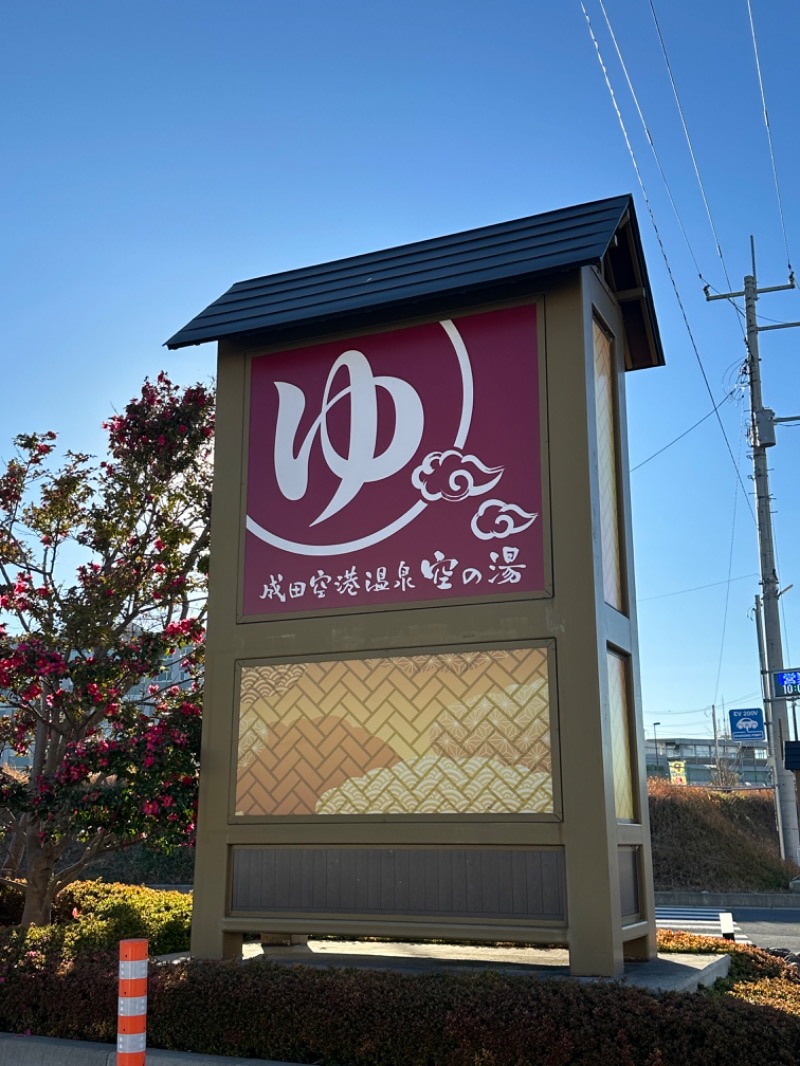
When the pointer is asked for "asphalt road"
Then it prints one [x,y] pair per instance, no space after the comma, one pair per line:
[770,927]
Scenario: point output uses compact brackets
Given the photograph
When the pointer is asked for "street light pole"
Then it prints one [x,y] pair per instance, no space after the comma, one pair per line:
[655,740]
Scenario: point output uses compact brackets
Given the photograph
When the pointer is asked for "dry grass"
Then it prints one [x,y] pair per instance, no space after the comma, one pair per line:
[715,841]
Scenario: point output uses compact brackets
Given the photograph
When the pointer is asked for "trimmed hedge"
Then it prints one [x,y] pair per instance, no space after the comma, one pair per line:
[389,1019]
[61,981]
[372,1018]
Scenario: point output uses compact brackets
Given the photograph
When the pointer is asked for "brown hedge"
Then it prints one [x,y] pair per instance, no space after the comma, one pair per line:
[368,1018]
[62,981]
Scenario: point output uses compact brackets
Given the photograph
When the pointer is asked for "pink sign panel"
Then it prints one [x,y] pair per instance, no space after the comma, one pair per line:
[397,467]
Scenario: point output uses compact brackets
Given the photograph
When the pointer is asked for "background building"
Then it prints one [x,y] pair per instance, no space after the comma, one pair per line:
[725,763]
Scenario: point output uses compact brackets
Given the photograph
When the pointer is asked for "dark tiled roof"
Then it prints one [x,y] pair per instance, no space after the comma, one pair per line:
[413,278]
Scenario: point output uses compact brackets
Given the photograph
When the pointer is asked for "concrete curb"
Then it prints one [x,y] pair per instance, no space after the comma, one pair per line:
[688,976]
[44,1051]
[726,900]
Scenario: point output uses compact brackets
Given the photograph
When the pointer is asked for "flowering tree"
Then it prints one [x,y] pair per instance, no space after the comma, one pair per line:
[102,578]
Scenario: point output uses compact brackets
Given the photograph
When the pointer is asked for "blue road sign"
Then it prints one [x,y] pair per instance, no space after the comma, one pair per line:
[786,684]
[747,725]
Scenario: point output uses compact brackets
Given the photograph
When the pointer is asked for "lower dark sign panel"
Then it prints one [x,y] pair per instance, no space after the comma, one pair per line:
[630,902]
[523,883]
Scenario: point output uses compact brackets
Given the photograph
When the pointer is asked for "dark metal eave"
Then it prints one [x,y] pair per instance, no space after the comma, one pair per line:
[626,271]
[469,268]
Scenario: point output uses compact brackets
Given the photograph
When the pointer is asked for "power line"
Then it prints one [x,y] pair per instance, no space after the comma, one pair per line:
[769,139]
[730,564]
[663,250]
[694,714]
[650,141]
[695,588]
[689,143]
[741,311]
[680,436]
[707,708]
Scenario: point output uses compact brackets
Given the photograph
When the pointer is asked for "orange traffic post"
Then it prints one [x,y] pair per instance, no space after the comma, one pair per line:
[132,1010]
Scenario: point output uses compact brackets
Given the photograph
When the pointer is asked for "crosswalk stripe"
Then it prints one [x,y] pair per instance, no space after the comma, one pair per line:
[700,921]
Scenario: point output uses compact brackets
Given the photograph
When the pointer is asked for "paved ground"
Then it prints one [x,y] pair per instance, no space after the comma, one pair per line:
[674,972]
[42,1051]
[770,928]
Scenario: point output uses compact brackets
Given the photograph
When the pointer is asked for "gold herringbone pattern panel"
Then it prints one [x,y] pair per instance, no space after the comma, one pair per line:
[620,737]
[299,761]
[454,733]
[604,383]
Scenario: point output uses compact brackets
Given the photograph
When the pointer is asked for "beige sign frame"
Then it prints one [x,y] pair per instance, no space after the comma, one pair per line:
[605,861]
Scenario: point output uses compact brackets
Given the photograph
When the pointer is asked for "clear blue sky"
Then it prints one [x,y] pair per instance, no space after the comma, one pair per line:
[154,153]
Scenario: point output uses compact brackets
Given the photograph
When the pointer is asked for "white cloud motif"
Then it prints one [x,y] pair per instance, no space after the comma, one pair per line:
[496,519]
[453,476]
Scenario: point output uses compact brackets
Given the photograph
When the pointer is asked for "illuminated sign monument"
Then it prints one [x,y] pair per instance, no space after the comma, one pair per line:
[422,713]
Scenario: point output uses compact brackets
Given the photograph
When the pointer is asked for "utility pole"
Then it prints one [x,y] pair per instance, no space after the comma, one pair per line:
[765,689]
[655,741]
[716,738]
[762,436]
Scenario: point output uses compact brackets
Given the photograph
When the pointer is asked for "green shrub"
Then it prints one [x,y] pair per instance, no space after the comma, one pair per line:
[96,916]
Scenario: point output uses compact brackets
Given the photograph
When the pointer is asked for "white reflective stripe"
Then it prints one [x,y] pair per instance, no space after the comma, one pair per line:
[129,971]
[131,1042]
[130,1006]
